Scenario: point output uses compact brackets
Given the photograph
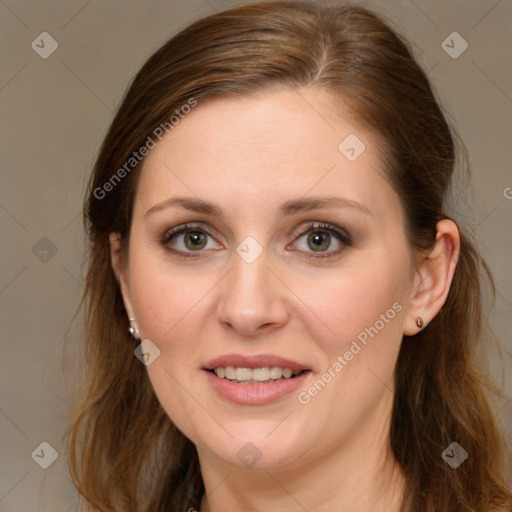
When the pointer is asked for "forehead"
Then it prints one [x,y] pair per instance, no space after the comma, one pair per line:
[280,144]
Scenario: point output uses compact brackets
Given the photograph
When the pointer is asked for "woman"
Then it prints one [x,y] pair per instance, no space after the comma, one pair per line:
[280,312]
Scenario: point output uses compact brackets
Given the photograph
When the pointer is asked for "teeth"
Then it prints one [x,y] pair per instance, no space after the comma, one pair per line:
[243,374]
[261,374]
[254,376]
[230,372]
[276,372]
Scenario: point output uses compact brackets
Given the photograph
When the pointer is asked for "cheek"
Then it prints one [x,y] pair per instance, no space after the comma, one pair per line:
[167,304]
[351,302]
[165,297]
[363,309]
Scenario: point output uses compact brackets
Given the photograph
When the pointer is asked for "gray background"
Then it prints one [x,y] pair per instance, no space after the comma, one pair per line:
[54,113]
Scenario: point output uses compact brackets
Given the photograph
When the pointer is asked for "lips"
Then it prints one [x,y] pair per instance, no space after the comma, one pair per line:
[241,387]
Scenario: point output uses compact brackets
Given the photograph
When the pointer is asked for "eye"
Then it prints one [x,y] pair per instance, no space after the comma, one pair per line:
[319,237]
[185,240]
[188,239]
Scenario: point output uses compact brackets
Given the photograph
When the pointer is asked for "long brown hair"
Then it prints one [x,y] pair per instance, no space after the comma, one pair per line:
[124,452]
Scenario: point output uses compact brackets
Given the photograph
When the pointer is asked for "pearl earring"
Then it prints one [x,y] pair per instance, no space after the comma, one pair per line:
[134,332]
[419,321]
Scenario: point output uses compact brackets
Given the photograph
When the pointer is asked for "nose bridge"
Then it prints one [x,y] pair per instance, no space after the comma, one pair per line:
[251,296]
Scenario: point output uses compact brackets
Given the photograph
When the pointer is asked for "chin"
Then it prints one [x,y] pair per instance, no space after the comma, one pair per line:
[258,445]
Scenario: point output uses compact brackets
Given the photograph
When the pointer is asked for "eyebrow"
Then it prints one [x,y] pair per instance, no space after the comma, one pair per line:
[288,208]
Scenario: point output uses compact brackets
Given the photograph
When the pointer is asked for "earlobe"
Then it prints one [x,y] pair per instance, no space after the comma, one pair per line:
[433,278]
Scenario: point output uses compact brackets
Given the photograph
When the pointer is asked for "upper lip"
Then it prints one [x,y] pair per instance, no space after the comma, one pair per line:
[254,361]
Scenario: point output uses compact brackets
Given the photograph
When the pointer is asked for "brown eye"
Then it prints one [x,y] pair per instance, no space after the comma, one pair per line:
[323,239]
[319,240]
[188,239]
[195,240]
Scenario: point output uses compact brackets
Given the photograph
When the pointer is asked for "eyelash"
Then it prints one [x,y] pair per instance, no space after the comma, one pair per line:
[343,236]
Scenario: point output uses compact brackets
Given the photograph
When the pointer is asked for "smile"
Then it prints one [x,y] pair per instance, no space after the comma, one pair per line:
[255,379]
[264,375]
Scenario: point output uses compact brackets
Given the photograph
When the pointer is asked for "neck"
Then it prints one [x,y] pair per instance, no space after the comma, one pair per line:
[358,476]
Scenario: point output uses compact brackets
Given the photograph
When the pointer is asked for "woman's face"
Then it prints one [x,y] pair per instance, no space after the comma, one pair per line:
[294,259]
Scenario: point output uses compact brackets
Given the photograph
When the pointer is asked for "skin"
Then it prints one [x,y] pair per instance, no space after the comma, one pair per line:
[248,156]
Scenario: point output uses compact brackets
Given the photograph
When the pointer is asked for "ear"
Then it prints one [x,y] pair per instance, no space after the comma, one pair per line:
[433,277]
[119,266]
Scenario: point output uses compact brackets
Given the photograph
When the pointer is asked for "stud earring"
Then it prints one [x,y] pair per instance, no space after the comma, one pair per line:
[419,321]
[134,332]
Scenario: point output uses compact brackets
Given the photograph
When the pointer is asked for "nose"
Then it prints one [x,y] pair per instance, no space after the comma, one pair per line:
[253,299]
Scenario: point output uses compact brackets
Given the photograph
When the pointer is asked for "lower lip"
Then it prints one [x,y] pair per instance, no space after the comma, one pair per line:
[255,394]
